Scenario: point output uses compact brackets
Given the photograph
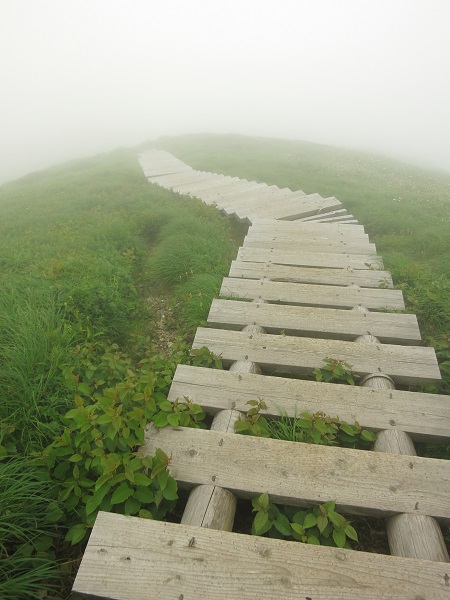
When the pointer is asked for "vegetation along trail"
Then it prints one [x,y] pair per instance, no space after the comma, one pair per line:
[104,280]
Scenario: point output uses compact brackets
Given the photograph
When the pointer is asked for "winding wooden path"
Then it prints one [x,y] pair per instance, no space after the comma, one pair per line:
[307,284]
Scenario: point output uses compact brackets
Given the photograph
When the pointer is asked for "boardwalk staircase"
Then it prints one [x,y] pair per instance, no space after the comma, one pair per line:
[307,284]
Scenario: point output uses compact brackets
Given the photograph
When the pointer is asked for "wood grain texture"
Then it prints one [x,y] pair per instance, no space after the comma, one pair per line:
[325,296]
[426,417]
[293,274]
[271,226]
[297,474]
[295,208]
[311,245]
[288,354]
[311,259]
[128,558]
[210,506]
[416,536]
[315,322]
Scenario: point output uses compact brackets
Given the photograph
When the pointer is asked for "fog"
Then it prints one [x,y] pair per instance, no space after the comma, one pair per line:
[86,76]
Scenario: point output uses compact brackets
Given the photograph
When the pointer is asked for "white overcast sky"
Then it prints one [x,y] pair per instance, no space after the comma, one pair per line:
[80,77]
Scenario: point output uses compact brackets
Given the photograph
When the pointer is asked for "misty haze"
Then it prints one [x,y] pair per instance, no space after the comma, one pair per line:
[85,77]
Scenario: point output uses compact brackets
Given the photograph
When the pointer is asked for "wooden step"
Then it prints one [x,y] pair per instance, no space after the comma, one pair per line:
[315,322]
[311,259]
[287,354]
[128,558]
[309,244]
[308,233]
[298,474]
[425,417]
[325,296]
[296,208]
[293,274]
[272,226]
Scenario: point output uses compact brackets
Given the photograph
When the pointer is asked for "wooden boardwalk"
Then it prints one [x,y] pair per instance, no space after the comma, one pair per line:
[307,284]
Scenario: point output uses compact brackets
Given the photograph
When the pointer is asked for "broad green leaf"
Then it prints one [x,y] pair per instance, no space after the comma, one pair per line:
[298,528]
[322,522]
[264,500]
[160,420]
[170,489]
[336,518]
[313,540]
[132,506]
[122,493]
[339,538]
[76,533]
[368,436]
[351,533]
[83,388]
[144,495]
[75,458]
[310,520]
[283,525]
[174,419]
[260,522]
[97,498]
[300,517]
[348,429]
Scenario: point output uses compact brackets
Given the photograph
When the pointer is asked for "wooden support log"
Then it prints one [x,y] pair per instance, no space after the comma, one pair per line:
[409,535]
[211,506]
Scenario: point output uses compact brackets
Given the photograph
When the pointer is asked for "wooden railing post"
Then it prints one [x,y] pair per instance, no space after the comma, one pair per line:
[409,535]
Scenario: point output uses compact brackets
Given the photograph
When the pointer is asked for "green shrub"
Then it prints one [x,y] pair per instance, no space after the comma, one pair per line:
[320,525]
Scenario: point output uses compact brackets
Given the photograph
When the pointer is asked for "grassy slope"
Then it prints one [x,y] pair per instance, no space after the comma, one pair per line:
[82,247]
[405,209]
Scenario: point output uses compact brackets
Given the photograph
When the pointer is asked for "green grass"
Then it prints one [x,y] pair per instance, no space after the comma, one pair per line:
[82,248]
[405,209]
[84,245]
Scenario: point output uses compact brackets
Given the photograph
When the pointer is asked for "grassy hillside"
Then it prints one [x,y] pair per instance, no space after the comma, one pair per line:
[103,280]
[405,209]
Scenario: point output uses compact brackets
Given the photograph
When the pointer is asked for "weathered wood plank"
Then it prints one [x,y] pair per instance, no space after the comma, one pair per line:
[244,187]
[215,182]
[272,226]
[293,274]
[158,162]
[128,558]
[288,354]
[425,417]
[315,322]
[311,245]
[298,474]
[326,296]
[311,259]
[294,208]
[308,233]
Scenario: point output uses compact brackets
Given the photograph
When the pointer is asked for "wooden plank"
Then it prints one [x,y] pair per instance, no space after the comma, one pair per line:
[325,296]
[243,187]
[339,212]
[310,244]
[256,196]
[390,328]
[329,234]
[292,274]
[425,417]
[128,558]
[311,259]
[277,226]
[215,182]
[297,208]
[156,162]
[298,474]
[288,354]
